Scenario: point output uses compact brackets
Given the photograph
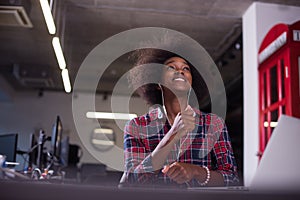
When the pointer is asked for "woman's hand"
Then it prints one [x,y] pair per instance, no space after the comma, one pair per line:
[177,124]
[188,119]
[184,122]
[180,172]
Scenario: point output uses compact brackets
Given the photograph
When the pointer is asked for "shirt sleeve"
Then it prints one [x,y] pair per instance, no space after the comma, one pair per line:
[223,152]
[218,146]
[138,163]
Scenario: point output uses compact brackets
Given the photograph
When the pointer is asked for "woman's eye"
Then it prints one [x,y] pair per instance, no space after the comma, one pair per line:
[170,67]
[186,69]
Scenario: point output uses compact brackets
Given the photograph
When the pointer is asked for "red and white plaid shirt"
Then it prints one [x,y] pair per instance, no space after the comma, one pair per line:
[207,145]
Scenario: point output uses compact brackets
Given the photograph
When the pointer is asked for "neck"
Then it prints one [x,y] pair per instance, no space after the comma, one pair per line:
[174,104]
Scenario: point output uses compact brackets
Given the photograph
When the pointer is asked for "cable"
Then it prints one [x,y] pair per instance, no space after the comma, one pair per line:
[163,103]
[165,110]
[188,96]
[163,100]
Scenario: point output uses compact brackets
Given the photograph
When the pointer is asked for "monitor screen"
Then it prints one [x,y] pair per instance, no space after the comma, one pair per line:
[8,146]
[56,138]
[33,151]
[64,151]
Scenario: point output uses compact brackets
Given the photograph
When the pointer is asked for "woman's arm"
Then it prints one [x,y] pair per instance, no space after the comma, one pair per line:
[186,172]
[140,165]
[225,172]
[223,152]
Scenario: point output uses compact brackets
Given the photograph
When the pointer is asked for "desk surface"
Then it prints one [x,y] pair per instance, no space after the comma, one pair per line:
[53,191]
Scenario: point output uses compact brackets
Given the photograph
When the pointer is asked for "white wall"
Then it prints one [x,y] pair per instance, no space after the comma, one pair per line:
[25,113]
[257,21]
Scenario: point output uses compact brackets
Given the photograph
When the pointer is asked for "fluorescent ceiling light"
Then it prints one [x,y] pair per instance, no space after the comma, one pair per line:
[48,16]
[107,115]
[11,163]
[103,142]
[103,131]
[59,53]
[66,80]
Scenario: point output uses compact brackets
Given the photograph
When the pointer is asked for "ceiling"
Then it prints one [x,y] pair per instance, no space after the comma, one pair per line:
[28,62]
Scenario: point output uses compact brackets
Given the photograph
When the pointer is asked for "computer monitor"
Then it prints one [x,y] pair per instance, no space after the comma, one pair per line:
[64,152]
[8,146]
[33,152]
[56,139]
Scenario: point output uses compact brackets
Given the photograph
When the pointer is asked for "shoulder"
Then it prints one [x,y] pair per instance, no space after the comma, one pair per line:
[145,119]
[212,122]
[142,125]
[209,118]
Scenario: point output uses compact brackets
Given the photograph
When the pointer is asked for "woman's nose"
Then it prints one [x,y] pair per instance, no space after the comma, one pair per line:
[179,71]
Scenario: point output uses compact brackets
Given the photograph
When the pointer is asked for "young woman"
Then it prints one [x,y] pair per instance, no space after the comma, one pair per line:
[174,143]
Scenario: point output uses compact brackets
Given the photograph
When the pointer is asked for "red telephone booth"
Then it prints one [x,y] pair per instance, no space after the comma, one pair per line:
[279,71]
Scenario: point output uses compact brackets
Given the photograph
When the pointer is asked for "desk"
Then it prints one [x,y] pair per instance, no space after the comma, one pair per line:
[24,190]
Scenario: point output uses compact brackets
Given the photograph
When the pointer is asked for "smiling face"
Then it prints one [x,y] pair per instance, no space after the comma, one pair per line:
[177,75]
